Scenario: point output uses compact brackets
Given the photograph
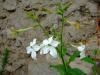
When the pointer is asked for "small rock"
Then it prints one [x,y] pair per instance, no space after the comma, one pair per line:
[40,69]
[92,7]
[18,64]
[28,8]
[3,16]
[19,0]
[15,65]
[98,1]
[85,67]
[18,42]
[10,5]
[81,2]
[9,34]
[9,69]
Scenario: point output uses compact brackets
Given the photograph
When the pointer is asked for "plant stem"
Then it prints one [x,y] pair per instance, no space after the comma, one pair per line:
[25,29]
[62,43]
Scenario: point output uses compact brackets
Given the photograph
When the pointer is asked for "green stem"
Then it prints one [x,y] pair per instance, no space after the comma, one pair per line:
[62,43]
[25,29]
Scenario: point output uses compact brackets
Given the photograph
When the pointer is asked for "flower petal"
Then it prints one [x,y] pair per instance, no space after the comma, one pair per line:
[44,50]
[42,45]
[29,49]
[33,55]
[33,42]
[45,42]
[73,45]
[54,43]
[50,39]
[81,48]
[53,52]
[36,47]
[82,55]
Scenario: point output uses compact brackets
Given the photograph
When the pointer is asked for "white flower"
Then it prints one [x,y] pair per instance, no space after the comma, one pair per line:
[82,55]
[32,49]
[81,48]
[49,45]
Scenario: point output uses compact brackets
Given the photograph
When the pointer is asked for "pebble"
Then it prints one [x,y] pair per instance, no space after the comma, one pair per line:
[10,5]
[3,16]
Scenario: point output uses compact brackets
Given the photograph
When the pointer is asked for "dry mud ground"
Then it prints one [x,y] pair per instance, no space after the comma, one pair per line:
[13,13]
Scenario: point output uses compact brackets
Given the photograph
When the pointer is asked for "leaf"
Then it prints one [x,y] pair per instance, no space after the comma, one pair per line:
[4,60]
[96,52]
[75,24]
[70,71]
[32,15]
[66,6]
[89,60]
[47,10]
[59,68]
[75,71]
[59,12]
[74,56]
[62,7]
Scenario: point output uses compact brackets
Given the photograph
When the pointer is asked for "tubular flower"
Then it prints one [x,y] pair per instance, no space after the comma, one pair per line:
[49,46]
[81,48]
[32,49]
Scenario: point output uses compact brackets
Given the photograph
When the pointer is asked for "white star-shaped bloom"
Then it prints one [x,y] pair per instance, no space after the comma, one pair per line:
[32,49]
[81,48]
[49,45]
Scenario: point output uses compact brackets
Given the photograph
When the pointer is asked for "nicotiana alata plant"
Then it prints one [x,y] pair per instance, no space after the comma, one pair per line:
[50,45]
[55,45]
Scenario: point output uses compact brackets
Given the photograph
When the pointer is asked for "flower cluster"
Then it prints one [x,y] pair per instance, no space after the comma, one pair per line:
[81,48]
[47,46]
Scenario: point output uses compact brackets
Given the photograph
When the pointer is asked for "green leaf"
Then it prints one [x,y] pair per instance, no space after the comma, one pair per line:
[47,10]
[59,68]
[75,71]
[59,12]
[74,56]
[66,6]
[96,51]
[62,7]
[4,60]
[70,71]
[32,15]
[89,60]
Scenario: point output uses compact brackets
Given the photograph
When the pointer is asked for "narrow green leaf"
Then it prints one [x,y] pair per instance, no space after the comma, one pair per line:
[59,68]
[89,60]
[74,56]
[4,60]
[32,15]
[75,71]
[70,71]
[66,6]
